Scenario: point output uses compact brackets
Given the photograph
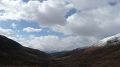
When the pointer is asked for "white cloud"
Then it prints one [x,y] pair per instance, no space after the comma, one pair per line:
[94,20]
[12,9]
[47,13]
[30,29]
[6,32]
[54,43]
[99,23]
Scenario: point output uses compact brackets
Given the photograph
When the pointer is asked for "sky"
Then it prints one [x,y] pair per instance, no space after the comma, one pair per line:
[59,25]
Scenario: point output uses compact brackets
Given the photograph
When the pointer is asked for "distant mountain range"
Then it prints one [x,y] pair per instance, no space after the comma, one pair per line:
[107,54]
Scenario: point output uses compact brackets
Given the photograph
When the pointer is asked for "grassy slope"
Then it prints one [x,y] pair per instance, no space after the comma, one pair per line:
[107,56]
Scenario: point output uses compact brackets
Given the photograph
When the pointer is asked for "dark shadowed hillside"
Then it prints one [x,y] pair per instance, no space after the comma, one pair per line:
[12,53]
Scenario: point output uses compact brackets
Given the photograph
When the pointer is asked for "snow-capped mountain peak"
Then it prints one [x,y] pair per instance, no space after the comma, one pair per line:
[115,39]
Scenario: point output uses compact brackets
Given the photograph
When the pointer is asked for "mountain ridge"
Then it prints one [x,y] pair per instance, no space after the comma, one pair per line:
[106,55]
[13,54]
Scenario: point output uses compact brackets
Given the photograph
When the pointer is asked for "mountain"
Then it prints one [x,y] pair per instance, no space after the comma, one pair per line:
[13,54]
[106,55]
[112,39]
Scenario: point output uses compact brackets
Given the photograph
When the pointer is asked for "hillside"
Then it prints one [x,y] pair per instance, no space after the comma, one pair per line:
[13,54]
[98,56]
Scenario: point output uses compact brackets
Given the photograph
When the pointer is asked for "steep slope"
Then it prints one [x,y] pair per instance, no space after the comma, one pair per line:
[12,53]
[98,56]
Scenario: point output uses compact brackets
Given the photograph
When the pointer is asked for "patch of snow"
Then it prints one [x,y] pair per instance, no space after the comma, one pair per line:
[113,39]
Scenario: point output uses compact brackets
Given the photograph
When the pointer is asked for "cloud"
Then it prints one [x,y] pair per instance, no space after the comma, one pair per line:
[6,32]
[53,43]
[99,23]
[93,4]
[47,13]
[91,21]
[30,29]
[12,9]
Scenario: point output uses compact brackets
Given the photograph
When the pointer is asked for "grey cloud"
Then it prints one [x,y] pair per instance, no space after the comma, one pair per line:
[93,4]
[47,13]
